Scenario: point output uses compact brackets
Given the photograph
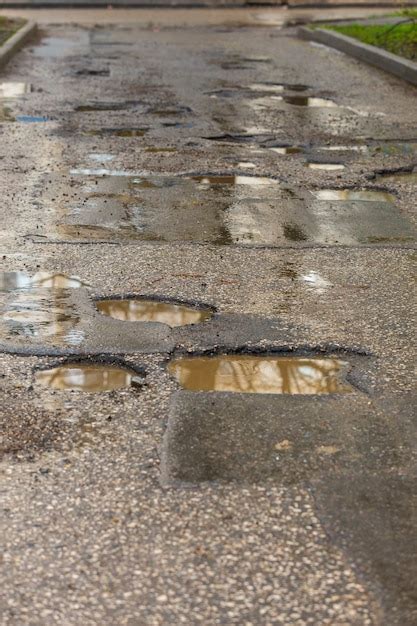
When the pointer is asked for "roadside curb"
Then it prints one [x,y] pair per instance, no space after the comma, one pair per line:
[392,63]
[16,41]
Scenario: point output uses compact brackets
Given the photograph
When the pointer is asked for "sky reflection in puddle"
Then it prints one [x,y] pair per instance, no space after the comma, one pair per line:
[92,378]
[153,311]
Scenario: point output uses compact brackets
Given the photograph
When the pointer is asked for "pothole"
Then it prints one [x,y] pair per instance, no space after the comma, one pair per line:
[14,90]
[286,150]
[401,176]
[92,378]
[142,310]
[226,179]
[261,374]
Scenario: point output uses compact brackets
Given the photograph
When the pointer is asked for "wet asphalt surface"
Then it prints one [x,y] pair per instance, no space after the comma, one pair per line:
[154,505]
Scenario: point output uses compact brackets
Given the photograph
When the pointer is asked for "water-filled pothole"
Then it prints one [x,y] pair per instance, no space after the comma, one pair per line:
[141,310]
[277,87]
[261,374]
[32,119]
[287,150]
[89,377]
[401,176]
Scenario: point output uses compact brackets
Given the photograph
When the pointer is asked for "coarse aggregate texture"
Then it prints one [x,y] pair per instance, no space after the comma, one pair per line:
[94,531]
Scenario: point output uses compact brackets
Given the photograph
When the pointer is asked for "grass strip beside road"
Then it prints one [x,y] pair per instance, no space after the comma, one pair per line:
[400,39]
[8,27]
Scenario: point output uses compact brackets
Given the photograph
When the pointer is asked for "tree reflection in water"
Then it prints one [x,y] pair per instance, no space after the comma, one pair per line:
[91,378]
[153,311]
[255,374]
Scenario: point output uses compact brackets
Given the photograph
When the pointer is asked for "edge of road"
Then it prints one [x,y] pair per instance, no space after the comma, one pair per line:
[16,41]
[391,63]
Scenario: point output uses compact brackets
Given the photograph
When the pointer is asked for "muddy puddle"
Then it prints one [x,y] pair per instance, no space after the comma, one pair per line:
[91,378]
[58,47]
[14,90]
[141,310]
[261,374]
[307,101]
[277,87]
[221,209]
[287,150]
[40,307]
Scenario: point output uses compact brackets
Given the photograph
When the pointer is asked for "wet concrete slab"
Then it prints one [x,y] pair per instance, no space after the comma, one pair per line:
[288,440]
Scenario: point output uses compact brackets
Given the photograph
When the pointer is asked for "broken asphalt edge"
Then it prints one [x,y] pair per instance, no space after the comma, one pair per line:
[15,42]
[391,63]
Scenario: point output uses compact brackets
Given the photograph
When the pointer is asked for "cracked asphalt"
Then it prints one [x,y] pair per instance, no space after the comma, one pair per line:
[190,157]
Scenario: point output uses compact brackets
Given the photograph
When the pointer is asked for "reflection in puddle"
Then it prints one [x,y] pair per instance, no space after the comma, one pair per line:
[43,313]
[261,374]
[6,115]
[14,90]
[316,282]
[41,306]
[252,181]
[101,158]
[401,177]
[306,101]
[287,149]
[276,87]
[53,47]
[342,148]
[330,167]
[90,378]
[153,311]
[11,281]
[353,195]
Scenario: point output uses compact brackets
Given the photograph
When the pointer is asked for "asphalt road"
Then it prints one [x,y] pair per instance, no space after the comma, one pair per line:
[225,166]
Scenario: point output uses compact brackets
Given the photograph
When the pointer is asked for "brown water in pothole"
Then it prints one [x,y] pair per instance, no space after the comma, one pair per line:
[14,90]
[277,87]
[86,377]
[153,311]
[261,374]
[287,150]
[252,181]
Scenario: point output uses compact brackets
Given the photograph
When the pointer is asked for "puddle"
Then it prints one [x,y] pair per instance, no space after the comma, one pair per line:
[277,87]
[86,377]
[330,167]
[315,281]
[401,177]
[12,281]
[55,47]
[261,374]
[32,119]
[352,195]
[103,106]
[342,148]
[306,101]
[153,311]
[233,180]
[287,150]
[43,313]
[406,148]
[14,90]
[6,115]
[294,232]
[41,306]
[101,158]
[118,132]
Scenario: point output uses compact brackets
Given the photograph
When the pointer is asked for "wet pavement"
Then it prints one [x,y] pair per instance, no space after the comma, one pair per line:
[207,327]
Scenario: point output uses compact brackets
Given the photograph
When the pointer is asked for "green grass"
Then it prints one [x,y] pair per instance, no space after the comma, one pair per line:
[8,27]
[400,39]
